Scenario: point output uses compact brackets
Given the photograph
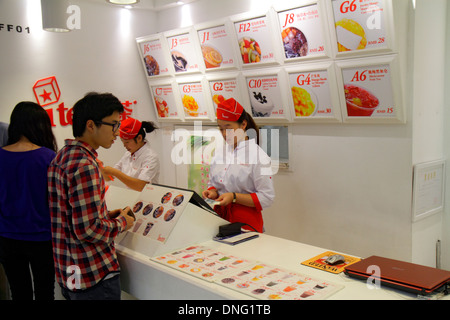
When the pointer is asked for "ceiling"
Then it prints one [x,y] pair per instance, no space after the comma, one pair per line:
[155,5]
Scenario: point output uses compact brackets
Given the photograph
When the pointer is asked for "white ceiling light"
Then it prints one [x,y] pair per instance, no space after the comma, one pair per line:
[123,2]
[54,15]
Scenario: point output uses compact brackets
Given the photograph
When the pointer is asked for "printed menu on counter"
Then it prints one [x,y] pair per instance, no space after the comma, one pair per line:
[311,94]
[369,92]
[255,40]
[252,278]
[359,24]
[216,47]
[301,32]
[182,52]
[164,101]
[154,58]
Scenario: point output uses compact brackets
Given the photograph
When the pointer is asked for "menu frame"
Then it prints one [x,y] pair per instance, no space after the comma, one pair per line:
[226,23]
[167,82]
[165,53]
[388,40]
[198,79]
[190,32]
[283,84]
[323,12]
[271,21]
[330,68]
[395,86]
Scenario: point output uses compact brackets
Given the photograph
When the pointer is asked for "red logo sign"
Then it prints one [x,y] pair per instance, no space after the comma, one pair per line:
[46,91]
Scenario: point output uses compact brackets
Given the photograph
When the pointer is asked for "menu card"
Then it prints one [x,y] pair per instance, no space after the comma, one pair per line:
[301,32]
[164,101]
[359,24]
[216,47]
[182,52]
[154,58]
[254,41]
[193,99]
[311,95]
[222,90]
[265,96]
[368,91]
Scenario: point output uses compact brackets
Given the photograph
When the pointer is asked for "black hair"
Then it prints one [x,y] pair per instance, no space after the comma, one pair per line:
[93,106]
[30,120]
[254,132]
[147,126]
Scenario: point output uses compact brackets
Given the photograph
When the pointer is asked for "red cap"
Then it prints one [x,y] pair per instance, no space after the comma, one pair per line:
[129,128]
[229,110]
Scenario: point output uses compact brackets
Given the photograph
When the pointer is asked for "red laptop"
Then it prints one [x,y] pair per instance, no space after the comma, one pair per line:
[400,275]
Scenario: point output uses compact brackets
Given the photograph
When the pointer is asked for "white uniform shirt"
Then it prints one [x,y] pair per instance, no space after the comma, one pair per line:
[142,165]
[246,169]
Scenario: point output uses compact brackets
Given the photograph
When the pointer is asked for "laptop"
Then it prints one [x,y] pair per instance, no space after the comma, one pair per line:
[400,275]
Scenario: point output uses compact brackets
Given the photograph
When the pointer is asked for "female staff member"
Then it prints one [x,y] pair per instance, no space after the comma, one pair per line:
[240,172]
[140,164]
[25,234]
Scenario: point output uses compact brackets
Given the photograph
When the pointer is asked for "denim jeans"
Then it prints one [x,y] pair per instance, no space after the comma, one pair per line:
[105,290]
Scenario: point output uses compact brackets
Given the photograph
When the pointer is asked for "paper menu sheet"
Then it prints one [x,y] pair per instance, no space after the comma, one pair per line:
[249,277]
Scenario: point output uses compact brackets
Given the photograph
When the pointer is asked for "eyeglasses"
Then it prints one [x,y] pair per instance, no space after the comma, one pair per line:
[115,126]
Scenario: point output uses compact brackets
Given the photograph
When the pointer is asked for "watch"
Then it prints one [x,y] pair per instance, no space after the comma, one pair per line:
[234,197]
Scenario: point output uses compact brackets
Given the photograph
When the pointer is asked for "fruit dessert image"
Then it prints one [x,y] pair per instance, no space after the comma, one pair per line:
[190,106]
[161,107]
[179,61]
[211,56]
[151,65]
[303,102]
[262,105]
[350,35]
[360,102]
[294,42]
[250,50]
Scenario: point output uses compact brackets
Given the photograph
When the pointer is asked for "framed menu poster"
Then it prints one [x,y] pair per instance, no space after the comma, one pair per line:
[183,53]
[216,46]
[255,39]
[302,32]
[265,95]
[154,52]
[193,97]
[370,90]
[223,87]
[314,95]
[361,26]
[164,96]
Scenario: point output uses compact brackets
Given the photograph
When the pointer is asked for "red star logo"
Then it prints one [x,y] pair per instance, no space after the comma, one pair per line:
[46,95]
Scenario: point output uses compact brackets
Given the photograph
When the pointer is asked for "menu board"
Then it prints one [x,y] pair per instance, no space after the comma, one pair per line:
[183,53]
[255,41]
[223,89]
[368,92]
[265,96]
[165,103]
[193,99]
[359,25]
[216,47]
[312,95]
[301,32]
[154,58]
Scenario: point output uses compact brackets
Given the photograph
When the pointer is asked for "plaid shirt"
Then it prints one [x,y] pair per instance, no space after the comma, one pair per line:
[82,232]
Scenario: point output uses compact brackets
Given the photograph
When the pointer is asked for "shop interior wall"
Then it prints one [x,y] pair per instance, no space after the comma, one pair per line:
[349,186]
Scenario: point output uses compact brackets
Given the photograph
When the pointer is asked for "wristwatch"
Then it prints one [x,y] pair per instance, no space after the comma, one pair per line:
[234,197]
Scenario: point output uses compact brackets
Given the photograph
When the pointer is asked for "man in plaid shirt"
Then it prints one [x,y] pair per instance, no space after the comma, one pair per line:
[83,231]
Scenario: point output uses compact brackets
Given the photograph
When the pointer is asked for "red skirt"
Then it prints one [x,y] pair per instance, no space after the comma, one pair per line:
[239,213]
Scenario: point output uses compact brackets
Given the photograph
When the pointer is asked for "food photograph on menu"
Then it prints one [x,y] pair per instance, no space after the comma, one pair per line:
[301,32]
[153,58]
[222,90]
[216,47]
[359,25]
[182,53]
[192,99]
[164,100]
[265,96]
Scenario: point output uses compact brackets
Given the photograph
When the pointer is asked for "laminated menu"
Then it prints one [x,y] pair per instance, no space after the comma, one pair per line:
[359,24]
[301,33]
